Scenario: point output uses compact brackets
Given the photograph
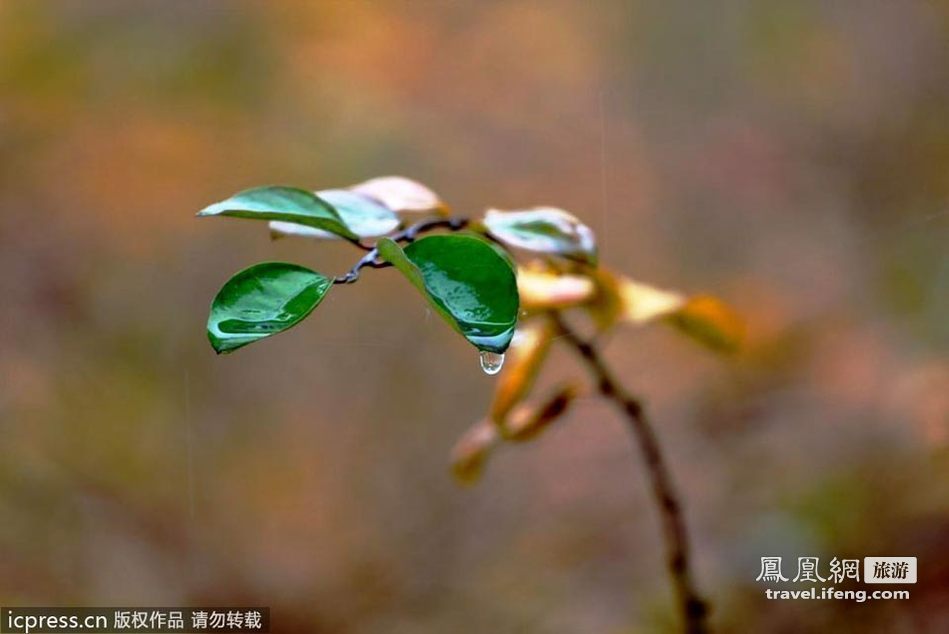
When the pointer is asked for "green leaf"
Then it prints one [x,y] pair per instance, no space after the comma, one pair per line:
[289,204]
[364,216]
[466,281]
[543,230]
[261,301]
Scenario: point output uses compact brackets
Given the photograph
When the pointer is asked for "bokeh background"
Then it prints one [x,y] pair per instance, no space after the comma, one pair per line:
[791,157]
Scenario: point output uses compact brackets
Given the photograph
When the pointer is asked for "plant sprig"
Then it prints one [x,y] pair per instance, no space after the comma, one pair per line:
[469,274]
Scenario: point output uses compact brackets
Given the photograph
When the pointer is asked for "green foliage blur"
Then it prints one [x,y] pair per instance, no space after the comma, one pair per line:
[792,157]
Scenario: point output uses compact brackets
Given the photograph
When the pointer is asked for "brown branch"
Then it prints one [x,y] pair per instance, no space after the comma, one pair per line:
[371,259]
[693,608]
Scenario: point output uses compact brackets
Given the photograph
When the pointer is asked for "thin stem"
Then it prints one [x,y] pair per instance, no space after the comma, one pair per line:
[356,242]
[693,608]
[369,260]
[409,234]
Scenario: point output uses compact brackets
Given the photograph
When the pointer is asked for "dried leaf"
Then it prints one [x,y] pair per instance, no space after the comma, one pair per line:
[545,290]
[620,298]
[706,319]
[642,303]
[711,322]
[524,359]
[606,306]
[470,453]
[401,194]
[528,421]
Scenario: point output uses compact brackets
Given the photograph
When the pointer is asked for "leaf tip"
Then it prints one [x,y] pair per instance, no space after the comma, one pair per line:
[712,322]
[217,344]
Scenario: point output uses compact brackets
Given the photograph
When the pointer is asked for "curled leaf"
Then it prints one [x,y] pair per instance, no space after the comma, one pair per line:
[467,282]
[706,319]
[528,421]
[642,303]
[262,301]
[547,230]
[401,194]
[364,216]
[288,204]
[471,452]
[545,290]
[709,321]
[525,357]
[620,298]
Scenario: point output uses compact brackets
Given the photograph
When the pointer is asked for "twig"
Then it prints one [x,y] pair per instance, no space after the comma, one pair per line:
[409,234]
[369,260]
[693,608]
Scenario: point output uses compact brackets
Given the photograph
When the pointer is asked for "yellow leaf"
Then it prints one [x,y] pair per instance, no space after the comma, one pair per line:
[621,299]
[606,307]
[545,290]
[524,358]
[703,317]
[611,298]
[642,303]
[711,322]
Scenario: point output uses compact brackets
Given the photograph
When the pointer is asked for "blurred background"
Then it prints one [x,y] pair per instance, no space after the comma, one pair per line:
[790,157]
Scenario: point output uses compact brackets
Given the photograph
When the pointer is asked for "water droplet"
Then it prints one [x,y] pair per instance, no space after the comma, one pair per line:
[491,362]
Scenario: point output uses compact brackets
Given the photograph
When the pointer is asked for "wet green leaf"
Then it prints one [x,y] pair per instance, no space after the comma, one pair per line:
[287,204]
[543,230]
[466,281]
[363,216]
[261,301]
